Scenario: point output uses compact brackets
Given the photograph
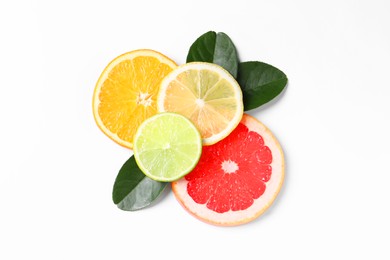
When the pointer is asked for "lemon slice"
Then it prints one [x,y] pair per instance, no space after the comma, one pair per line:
[206,94]
[167,146]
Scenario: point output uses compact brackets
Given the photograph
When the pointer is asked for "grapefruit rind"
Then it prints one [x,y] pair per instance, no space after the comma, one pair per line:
[224,74]
[260,205]
[104,75]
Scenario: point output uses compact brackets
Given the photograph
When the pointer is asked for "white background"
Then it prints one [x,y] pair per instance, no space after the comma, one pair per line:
[57,168]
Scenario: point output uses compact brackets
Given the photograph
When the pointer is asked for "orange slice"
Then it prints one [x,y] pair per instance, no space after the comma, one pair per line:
[126,92]
[206,94]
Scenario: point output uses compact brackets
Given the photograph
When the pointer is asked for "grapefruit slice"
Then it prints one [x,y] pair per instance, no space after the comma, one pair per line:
[236,179]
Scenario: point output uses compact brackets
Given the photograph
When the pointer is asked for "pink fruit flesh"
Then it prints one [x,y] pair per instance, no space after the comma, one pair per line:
[232,173]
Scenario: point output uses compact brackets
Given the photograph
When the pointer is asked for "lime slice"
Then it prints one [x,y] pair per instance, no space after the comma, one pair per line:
[167,146]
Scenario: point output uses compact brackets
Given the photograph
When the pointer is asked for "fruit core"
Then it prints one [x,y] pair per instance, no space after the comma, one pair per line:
[200,102]
[166,146]
[144,99]
[229,166]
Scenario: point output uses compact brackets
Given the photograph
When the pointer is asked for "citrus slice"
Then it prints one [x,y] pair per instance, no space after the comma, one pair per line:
[126,92]
[167,146]
[236,179]
[206,94]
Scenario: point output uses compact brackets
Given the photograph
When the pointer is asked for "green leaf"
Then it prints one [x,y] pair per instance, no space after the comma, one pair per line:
[260,83]
[133,190]
[215,48]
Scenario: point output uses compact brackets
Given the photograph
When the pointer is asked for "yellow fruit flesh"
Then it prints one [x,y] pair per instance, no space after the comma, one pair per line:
[206,106]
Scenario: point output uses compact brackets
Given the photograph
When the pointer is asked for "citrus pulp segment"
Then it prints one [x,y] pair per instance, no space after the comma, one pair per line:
[126,92]
[236,179]
[167,146]
[206,94]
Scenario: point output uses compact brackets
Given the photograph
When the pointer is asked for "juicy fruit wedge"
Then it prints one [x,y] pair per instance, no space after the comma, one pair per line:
[236,179]
[206,94]
[126,92]
[167,146]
